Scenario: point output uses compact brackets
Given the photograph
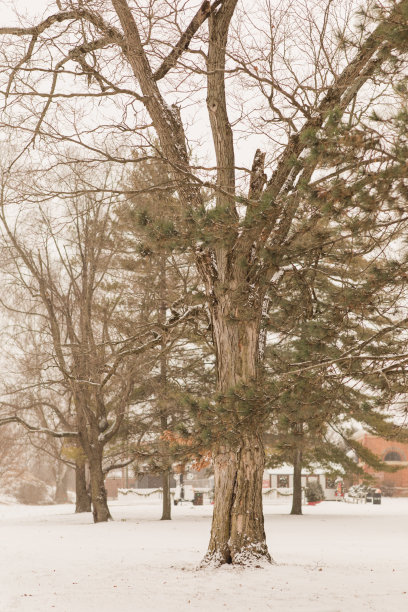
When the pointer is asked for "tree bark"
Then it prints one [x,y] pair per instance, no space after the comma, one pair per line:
[237,533]
[99,499]
[163,393]
[297,482]
[83,498]
[91,427]
[166,511]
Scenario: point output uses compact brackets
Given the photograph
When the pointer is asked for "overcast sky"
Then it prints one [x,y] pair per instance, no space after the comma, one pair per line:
[28,7]
[31,10]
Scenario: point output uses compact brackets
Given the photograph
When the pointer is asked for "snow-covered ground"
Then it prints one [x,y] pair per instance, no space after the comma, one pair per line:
[335,558]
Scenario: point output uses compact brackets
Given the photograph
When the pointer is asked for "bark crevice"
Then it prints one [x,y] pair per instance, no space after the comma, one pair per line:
[237,534]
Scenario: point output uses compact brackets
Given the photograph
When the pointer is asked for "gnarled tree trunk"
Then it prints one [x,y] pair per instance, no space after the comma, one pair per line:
[237,533]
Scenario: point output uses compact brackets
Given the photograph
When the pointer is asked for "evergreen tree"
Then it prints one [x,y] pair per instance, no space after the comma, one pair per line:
[163,288]
[339,307]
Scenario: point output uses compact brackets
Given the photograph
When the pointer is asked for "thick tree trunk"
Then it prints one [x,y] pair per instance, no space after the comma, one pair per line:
[237,533]
[99,497]
[166,511]
[83,498]
[297,482]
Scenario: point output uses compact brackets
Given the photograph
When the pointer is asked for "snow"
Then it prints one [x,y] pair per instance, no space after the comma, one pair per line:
[337,557]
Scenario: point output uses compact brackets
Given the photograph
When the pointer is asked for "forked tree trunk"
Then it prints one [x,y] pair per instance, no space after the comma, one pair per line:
[99,497]
[297,482]
[237,533]
[83,498]
[166,511]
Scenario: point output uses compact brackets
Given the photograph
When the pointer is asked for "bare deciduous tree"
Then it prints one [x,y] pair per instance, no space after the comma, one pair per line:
[62,278]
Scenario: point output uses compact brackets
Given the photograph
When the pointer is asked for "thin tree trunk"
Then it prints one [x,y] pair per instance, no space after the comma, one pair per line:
[90,433]
[163,399]
[166,511]
[99,499]
[297,482]
[83,498]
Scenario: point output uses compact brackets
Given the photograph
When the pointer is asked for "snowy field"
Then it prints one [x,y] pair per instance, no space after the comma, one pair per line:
[336,558]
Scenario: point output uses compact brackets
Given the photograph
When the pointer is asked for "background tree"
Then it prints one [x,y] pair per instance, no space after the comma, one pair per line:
[61,278]
[11,449]
[339,308]
[91,341]
[165,285]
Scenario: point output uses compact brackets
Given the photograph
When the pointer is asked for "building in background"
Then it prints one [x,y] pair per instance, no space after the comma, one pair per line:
[394,453]
[125,478]
[278,482]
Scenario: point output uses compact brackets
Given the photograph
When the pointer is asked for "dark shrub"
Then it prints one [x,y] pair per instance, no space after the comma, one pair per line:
[314,492]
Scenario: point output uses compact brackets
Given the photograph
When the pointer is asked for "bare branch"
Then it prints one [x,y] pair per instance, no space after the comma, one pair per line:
[183,43]
[40,430]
